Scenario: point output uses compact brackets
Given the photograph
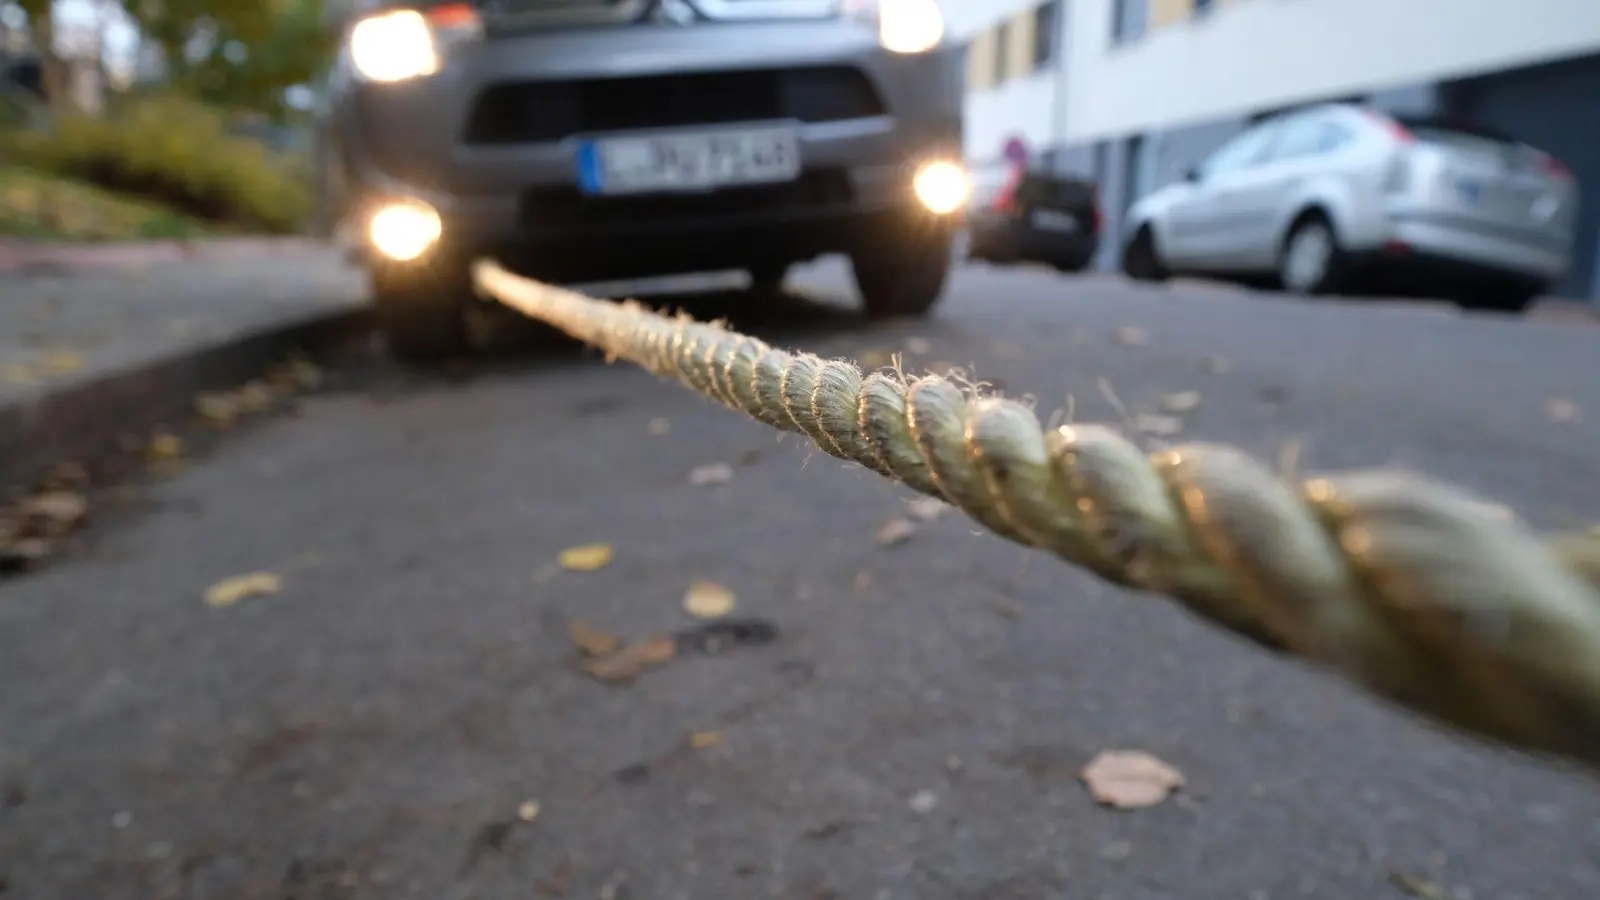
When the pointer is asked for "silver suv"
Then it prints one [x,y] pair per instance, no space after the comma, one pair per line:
[589,140]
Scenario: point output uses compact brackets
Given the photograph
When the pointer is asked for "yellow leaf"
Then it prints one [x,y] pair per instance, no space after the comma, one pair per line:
[19,374]
[61,362]
[702,740]
[528,811]
[659,426]
[164,448]
[229,591]
[708,600]
[218,409]
[586,557]
[626,664]
[1130,779]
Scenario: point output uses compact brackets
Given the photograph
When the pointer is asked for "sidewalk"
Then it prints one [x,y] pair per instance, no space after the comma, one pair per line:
[126,335]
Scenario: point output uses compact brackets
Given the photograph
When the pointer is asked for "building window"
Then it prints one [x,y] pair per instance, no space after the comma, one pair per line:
[1046,33]
[1002,53]
[1128,20]
[1202,6]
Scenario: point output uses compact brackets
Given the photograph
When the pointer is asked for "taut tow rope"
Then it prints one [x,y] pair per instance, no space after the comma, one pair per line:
[1412,588]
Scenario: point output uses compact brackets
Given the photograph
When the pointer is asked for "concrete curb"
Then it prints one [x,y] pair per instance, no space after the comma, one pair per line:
[26,258]
[78,422]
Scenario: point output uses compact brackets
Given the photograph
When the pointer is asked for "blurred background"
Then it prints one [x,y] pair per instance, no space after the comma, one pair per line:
[1132,93]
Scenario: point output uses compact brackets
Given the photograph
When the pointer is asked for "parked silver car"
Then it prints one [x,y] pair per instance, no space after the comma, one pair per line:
[588,140]
[1341,198]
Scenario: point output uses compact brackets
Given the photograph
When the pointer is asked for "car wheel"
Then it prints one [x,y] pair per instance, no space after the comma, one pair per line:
[1141,261]
[1311,262]
[767,279]
[421,310]
[905,277]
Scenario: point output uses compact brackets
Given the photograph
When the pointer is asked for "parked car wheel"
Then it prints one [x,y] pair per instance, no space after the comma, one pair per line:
[904,277]
[1141,261]
[421,310]
[1311,261]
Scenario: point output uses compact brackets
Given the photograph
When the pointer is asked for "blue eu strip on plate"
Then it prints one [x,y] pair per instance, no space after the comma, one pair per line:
[590,179]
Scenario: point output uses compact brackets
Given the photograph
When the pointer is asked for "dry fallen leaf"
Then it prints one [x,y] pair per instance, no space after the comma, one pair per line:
[702,740]
[163,448]
[528,811]
[591,641]
[218,409]
[229,591]
[255,397]
[1417,887]
[897,531]
[19,374]
[713,474]
[1007,607]
[59,509]
[1181,402]
[586,557]
[928,508]
[918,345]
[1162,426]
[659,426]
[61,362]
[708,600]
[1561,410]
[626,664]
[1129,336]
[1130,779]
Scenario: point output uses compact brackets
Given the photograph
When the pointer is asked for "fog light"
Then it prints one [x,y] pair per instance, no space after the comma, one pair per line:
[943,187]
[404,231]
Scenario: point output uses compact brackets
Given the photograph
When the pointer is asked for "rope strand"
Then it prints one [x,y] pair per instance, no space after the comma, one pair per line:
[1411,588]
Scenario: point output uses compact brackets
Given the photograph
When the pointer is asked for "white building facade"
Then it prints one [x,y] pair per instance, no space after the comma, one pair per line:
[1132,92]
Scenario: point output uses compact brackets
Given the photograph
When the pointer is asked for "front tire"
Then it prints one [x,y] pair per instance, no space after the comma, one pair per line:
[905,276]
[421,310]
[1141,261]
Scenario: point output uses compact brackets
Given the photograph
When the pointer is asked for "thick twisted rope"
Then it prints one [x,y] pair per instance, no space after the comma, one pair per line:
[1416,590]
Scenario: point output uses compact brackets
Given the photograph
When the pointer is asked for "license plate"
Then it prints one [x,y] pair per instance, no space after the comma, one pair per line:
[688,161]
[1050,220]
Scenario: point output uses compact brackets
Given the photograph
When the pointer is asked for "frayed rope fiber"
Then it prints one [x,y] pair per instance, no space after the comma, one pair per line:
[1414,589]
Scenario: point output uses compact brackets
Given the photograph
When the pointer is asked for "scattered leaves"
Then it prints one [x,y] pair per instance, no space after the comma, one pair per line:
[709,475]
[1159,425]
[704,740]
[1129,336]
[586,557]
[592,641]
[34,527]
[897,531]
[928,508]
[918,345]
[229,591]
[1561,410]
[626,664]
[217,409]
[659,426]
[1181,402]
[528,811]
[708,600]
[1130,779]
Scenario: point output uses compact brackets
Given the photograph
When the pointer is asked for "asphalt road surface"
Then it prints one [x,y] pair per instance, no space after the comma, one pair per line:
[905,722]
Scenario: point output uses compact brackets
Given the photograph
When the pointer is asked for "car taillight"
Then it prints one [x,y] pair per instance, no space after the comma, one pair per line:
[1006,200]
[1394,129]
[1553,167]
[455,22]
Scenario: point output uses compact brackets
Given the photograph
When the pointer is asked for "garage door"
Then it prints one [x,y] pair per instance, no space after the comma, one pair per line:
[1554,108]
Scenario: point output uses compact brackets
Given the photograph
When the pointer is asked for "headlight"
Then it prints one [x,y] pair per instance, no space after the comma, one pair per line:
[403,44]
[910,26]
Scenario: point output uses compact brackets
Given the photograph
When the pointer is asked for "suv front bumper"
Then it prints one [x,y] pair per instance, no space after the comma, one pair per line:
[513,190]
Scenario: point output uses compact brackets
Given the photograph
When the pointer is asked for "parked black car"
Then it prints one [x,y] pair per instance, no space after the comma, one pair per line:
[1039,217]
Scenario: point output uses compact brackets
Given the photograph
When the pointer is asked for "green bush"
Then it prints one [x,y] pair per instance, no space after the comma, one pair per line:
[181,154]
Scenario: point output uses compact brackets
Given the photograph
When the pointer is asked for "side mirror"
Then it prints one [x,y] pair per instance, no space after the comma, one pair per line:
[1191,175]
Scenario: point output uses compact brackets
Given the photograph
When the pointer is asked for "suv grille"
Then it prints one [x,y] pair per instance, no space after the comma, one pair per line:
[567,207]
[535,112]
